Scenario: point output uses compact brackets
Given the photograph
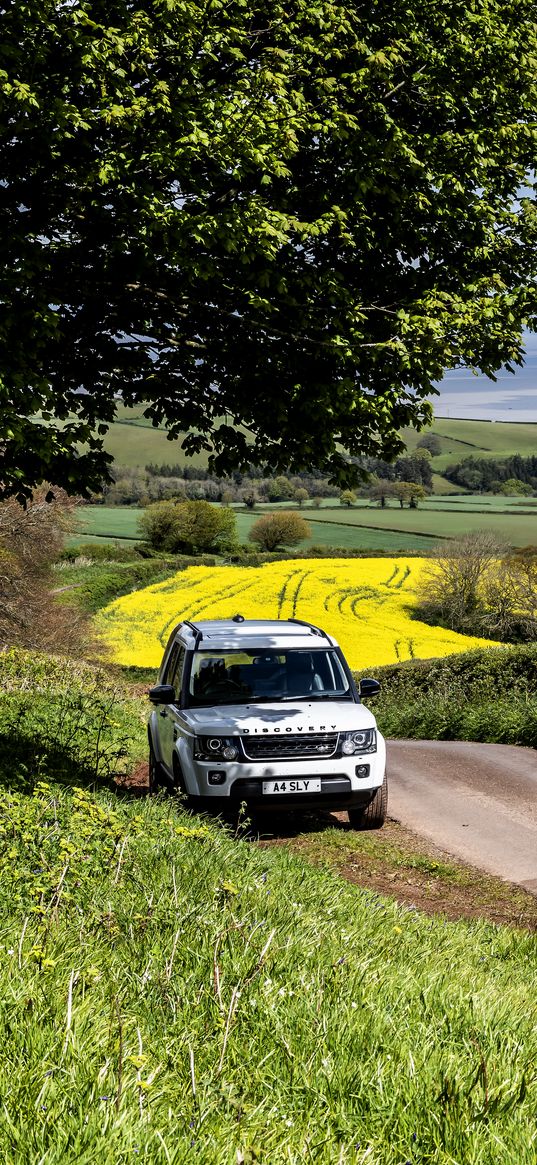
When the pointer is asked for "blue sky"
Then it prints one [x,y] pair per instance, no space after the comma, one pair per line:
[512,398]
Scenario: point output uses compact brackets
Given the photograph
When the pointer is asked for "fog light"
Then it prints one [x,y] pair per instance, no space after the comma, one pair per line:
[362,770]
[229,752]
[216,778]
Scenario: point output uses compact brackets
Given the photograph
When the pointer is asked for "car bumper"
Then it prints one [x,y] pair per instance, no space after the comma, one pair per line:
[341,785]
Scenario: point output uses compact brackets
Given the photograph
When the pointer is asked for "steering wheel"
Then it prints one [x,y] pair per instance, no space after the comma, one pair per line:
[224,686]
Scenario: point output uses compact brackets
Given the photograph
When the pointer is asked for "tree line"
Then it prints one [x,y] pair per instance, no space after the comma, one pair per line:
[514,474]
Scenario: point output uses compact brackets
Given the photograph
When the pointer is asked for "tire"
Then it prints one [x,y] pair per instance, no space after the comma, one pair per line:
[158,779]
[372,816]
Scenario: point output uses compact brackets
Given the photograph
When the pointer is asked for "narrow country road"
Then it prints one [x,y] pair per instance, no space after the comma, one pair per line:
[478,801]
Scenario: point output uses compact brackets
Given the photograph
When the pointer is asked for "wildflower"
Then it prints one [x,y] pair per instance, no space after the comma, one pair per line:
[355,593]
[397,930]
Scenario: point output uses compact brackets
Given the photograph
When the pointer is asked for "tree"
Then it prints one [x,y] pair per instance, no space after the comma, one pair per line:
[284,528]
[301,496]
[381,490]
[347,497]
[431,442]
[477,587]
[185,223]
[409,492]
[280,489]
[416,468]
[30,614]
[189,527]
[513,488]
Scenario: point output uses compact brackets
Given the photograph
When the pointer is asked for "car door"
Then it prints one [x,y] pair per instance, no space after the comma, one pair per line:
[167,713]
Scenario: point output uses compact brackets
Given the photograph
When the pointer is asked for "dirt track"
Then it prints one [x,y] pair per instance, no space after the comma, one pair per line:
[477,801]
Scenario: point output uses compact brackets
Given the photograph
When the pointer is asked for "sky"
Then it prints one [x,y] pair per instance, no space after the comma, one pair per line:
[511,398]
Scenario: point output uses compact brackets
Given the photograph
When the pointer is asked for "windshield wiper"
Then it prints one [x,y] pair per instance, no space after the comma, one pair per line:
[316,696]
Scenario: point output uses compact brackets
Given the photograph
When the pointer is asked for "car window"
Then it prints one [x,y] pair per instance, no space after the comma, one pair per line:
[176,671]
[174,668]
[240,676]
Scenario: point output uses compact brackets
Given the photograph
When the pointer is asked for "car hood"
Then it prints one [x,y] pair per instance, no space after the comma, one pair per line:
[257,719]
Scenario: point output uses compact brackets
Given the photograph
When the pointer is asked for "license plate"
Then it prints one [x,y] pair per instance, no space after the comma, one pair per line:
[293,785]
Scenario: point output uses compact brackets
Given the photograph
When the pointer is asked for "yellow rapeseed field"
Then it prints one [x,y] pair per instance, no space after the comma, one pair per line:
[366,603]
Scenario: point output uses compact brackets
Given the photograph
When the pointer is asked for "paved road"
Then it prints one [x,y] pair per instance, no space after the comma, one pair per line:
[478,801]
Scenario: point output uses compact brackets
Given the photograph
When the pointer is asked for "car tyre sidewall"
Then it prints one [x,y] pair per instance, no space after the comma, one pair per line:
[372,816]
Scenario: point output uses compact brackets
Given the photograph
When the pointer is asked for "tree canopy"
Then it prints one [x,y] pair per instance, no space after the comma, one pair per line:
[275,224]
[189,527]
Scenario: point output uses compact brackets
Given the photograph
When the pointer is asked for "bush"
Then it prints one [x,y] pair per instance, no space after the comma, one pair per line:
[189,527]
[30,541]
[280,529]
[64,721]
[485,695]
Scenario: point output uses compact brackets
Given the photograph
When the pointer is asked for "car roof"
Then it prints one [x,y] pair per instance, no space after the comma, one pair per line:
[229,634]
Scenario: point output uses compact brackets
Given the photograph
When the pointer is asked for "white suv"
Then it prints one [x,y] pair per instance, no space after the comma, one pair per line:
[267,713]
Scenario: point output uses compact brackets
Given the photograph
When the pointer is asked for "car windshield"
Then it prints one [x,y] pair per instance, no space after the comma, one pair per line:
[241,677]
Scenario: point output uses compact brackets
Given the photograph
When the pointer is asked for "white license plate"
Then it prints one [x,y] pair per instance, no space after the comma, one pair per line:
[293,785]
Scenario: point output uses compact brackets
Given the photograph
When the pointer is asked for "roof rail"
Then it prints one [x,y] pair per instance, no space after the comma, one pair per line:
[198,635]
[312,627]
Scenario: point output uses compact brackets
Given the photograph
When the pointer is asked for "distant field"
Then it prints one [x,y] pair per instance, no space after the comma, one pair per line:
[107,523]
[362,527]
[133,441]
[346,535]
[478,439]
[120,523]
[517,529]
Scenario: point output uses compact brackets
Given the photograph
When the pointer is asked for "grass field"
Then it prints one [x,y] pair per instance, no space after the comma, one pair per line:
[361,527]
[170,994]
[478,439]
[133,441]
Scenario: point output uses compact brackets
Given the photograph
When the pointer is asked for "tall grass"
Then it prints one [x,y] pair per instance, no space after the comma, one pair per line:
[172,994]
[169,993]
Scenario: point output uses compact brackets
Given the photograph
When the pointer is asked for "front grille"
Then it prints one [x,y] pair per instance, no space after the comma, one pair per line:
[315,744]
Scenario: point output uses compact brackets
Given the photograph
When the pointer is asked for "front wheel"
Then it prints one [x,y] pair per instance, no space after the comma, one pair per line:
[373,815]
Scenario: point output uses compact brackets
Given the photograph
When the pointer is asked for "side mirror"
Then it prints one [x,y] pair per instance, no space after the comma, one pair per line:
[368,688]
[162,694]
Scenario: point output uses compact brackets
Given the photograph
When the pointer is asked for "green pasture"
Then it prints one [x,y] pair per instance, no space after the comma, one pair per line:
[107,523]
[477,439]
[345,534]
[133,441]
[517,529]
[119,524]
[362,527]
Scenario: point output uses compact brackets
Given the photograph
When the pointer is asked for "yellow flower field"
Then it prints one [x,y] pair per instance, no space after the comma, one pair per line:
[364,602]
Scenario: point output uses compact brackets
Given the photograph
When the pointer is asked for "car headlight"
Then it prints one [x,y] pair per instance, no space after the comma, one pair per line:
[364,740]
[215,748]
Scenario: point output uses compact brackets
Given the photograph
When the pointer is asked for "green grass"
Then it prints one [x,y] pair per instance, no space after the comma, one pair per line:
[363,526]
[171,994]
[462,438]
[133,441]
[518,529]
[110,523]
[482,695]
[344,533]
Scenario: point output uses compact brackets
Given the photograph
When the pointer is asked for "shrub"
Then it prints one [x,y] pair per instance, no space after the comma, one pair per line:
[30,541]
[63,721]
[485,695]
[189,527]
[280,529]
